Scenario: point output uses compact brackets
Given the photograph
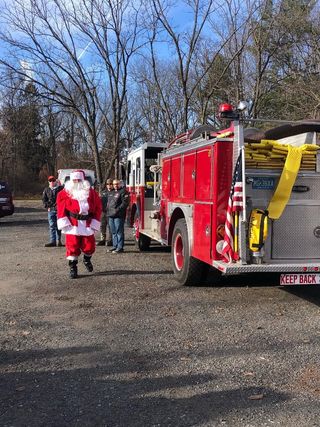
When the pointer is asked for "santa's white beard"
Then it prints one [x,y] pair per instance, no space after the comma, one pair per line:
[78,190]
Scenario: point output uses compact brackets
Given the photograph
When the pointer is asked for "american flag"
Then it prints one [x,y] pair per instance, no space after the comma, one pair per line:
[235,204]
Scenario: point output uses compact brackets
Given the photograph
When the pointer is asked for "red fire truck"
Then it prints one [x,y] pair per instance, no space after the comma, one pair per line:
[207,195]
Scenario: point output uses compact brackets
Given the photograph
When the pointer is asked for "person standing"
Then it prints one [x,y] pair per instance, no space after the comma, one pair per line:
[116,211]
[79,212]
[49,200]
[104,219]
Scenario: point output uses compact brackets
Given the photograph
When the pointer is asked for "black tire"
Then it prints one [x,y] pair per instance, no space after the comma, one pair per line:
[187,270]
[143,242]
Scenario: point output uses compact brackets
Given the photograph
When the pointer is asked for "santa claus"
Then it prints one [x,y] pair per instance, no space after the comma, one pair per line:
[79,212]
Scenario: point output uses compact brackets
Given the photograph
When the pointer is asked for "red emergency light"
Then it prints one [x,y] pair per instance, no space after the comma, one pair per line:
[226,111]
[225,108]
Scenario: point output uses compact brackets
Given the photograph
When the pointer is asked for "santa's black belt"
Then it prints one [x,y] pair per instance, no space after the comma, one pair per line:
[79,217]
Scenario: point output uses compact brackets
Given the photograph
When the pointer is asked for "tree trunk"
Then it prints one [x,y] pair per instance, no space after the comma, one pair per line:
[96,157]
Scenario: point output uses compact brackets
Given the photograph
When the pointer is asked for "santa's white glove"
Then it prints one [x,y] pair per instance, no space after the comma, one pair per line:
[66,229]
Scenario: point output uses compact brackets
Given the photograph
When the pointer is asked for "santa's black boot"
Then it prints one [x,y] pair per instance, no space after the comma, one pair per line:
[87,263]
[73,269]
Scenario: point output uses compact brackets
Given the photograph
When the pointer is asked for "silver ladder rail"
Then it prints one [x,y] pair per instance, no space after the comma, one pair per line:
[238,147]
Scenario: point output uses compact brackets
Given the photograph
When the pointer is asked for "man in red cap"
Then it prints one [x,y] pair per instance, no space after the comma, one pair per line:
[79,212]
[49,200]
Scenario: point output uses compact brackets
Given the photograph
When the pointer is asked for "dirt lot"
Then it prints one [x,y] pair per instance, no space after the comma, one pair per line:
[127,346]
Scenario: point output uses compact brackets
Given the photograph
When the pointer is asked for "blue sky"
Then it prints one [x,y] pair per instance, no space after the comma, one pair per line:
[179,18]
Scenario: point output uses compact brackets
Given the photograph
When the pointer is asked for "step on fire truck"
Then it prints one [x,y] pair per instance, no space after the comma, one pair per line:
[240,200]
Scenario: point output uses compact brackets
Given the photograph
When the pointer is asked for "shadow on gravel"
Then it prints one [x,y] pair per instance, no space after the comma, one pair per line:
[11,356]
[130,272]
[21,223]
[28,210]
[238,281]
[152,249]
[159,248]
[256,280]
[308,293]
[123,389]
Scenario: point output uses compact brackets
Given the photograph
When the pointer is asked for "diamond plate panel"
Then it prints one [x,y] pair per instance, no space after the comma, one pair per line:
[237,268]
[293,234]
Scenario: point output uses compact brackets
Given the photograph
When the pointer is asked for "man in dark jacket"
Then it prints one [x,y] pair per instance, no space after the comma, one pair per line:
[116,212]
[105,228]
[49,200]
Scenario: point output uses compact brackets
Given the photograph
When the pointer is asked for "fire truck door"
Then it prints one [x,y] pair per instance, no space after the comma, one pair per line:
[175,177]
[165,195]
[166,179]
[202,231]
[202,219]
[189,176]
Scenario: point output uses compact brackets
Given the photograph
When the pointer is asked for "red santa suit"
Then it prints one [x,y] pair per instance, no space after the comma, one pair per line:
[78,211]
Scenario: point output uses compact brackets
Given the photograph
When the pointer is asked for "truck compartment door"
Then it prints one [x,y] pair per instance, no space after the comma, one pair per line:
[166,179]
[202,219]
[203,174]
[189,176]
[202,231]
[175,177]
[295,236]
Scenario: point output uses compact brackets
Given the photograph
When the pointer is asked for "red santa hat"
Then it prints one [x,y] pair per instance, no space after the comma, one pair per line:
[77,174]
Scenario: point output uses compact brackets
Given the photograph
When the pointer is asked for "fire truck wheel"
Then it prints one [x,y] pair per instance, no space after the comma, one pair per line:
[143,242]
[187,270]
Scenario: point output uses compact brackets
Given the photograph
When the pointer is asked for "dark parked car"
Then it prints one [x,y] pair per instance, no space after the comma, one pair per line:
[6,203]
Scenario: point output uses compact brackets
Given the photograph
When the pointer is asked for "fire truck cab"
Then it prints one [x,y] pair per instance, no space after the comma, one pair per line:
[185,196]
[143,185]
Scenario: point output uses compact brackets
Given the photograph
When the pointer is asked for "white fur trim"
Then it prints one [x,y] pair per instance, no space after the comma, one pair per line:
[84,206]
[95,224]
[80,230]
[72,258]
[77,175]
[63,222]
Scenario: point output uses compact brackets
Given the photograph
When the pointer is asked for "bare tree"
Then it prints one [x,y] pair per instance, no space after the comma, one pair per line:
[52,128]
[113,30]
[276,53]
[91,82]
[159,105]
[42,47]
[184,43]
[202,66]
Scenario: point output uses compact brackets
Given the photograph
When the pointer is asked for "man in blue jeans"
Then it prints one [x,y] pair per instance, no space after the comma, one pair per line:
[116,212]
[49,200]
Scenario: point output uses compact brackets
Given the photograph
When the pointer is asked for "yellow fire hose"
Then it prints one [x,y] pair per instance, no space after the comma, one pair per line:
[287,179]
[272,155]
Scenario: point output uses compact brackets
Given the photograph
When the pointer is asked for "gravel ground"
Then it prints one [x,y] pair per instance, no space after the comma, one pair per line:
[127,346]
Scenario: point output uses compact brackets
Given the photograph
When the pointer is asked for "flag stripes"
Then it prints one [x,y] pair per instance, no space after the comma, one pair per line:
[235,205]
